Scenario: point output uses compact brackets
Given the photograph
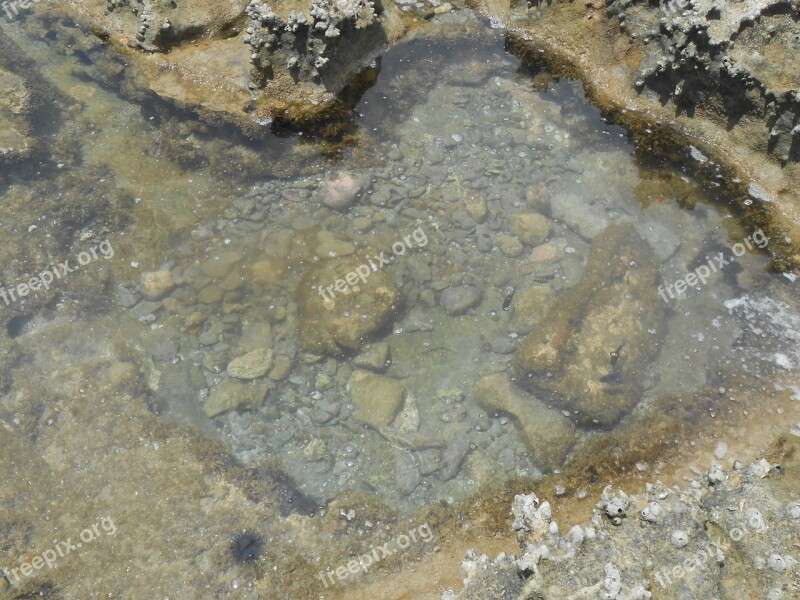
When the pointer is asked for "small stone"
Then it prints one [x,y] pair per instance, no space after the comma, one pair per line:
[268,270]
[377,399]
[340,189]
[476,205]
[156,284]
[125,297]
[195,319]
[544,253]
[375,357]
[211,294]
[251,365]
[144,309]
[362,223]
[315,450]
[231,395]
[721,450]
[281,368]
[221,264]
[458,300]
[532,228]
[509,245]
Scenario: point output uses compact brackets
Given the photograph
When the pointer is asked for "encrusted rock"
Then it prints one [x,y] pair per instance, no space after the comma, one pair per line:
[326,46]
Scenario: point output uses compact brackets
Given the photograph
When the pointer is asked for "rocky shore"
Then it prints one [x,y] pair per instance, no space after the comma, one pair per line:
[730,532]
[235,371]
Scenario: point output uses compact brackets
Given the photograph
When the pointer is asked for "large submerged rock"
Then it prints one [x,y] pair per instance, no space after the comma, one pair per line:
[592,350]
[337,322]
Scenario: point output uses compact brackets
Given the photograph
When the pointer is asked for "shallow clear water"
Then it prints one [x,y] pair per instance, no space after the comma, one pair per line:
[486,188]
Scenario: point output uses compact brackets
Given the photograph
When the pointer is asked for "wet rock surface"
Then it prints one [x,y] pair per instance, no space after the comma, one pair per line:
[16,106]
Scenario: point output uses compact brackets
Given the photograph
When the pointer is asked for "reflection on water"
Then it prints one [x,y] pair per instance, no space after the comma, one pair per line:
[468,295]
